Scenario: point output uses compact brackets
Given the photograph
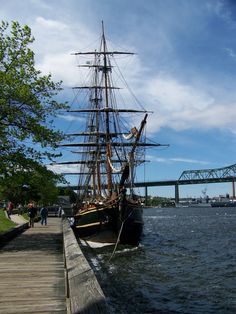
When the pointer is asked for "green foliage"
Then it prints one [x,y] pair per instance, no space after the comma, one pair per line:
[66,191]
[26,103]
[38,185]
[160,201]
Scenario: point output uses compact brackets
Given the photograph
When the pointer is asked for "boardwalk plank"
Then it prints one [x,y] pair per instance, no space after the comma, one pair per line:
[32,271]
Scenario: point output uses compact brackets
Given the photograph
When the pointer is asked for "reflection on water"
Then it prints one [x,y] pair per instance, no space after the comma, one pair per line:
[185,264]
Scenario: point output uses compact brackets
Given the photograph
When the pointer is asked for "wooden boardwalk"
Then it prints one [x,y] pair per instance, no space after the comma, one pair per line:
[32,278]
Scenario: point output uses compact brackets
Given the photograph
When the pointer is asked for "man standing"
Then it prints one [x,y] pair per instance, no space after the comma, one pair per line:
[32,212]
[44,215]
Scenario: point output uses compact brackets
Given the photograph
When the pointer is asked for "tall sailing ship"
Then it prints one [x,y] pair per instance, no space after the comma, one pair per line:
[109,154]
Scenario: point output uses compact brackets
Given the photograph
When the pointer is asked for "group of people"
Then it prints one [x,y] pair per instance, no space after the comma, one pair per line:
[32,212]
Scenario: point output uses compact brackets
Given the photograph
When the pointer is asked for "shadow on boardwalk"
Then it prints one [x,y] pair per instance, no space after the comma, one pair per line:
[35,241]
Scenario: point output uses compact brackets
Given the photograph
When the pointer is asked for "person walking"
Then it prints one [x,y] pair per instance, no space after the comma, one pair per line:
[32,212]
[44,215]
[10,208]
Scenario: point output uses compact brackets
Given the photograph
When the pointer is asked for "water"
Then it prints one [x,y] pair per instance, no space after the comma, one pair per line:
[186,263]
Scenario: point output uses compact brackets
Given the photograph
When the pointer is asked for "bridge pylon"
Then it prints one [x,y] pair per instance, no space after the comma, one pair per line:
[176,193]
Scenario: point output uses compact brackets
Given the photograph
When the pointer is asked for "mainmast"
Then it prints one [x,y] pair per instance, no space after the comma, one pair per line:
[97,157]
[108,139]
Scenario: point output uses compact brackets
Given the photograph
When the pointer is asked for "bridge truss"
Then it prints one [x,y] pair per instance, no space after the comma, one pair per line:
[209,174]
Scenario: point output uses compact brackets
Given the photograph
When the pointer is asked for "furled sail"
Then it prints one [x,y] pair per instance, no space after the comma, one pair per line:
[114,170]
[133,133]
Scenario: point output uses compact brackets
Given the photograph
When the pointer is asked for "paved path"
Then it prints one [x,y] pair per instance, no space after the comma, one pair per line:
[32,271]
[18,219]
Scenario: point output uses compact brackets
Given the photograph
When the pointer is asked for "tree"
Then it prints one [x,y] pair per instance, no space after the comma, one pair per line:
[67,191]
[38,185]
[26,104]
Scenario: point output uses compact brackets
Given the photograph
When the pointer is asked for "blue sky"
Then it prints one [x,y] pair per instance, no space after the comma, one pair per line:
[184,71]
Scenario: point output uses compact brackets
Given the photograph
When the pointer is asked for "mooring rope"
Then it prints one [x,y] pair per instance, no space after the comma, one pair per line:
[118,238]
[117,241]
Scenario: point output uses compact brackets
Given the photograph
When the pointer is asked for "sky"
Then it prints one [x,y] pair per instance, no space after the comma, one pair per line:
[184,71]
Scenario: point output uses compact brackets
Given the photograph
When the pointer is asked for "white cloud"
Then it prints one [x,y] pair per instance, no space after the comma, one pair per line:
[223,11]
[64,168]
[175,96]
[51,24]
[190,161]
[231,53]
[62,67]
[177,160]
[70,117]
[55,41]
[183,106]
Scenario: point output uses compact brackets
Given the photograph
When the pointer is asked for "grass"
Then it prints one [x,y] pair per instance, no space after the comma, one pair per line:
[5,223]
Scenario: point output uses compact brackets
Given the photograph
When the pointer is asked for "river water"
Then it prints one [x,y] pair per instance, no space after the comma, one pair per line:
[186,263]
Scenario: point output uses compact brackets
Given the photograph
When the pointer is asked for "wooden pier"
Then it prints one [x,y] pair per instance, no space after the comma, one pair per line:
[32,274]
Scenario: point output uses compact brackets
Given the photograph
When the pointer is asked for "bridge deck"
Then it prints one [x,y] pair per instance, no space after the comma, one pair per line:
[32,271]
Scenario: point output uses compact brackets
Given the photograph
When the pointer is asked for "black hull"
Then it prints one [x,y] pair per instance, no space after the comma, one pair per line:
[94,222]
[131,234]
